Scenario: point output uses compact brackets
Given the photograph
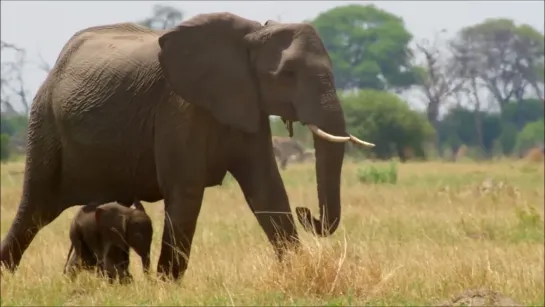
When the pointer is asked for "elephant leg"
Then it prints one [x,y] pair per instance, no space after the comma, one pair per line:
[181,163]
[266,196]
[181,212]
[26,225]
[82,257]
[116,264]
[40,202]
[73,265]
[88,258]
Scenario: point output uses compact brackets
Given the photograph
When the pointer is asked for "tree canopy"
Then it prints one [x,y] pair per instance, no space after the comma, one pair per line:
[163,17]
[387,121]
[368,47]
[505,58]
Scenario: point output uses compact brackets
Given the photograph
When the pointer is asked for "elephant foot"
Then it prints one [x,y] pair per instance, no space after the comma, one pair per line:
[169,278]
[7,268]
[169,273]
[125,280]
[71,273]
[289,247]
[8,261]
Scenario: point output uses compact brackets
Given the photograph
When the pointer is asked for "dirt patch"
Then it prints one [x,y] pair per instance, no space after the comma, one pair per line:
[480,297]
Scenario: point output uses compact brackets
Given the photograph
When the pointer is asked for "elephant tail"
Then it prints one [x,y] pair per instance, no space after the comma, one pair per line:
[68,257]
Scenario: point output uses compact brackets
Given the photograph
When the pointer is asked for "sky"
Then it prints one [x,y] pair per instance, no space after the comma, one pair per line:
[43,27]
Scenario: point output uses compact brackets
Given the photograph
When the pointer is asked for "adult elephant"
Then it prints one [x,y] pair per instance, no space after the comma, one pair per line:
[128,112]
[285,147]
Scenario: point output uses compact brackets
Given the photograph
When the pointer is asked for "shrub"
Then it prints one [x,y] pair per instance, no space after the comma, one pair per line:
[5,151]
[507,138]
[378,175]
[532,135]
[387,121]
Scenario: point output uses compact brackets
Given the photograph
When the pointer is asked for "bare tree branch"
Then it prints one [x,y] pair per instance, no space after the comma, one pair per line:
[12,78]
[164,17]
[439,79]
[504,57]
[43,65]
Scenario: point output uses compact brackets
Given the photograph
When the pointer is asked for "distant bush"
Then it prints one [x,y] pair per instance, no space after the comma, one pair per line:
[13,124]
[524,112]
[13,129]
[533,134]
[5,151]
[499,131]
[378,175]
[508,137]
[387,121]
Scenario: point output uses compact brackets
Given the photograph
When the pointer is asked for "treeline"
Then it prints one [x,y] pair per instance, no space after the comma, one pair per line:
[481,87]
[13,130]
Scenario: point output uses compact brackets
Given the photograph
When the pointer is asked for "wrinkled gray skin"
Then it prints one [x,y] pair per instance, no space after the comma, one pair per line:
[285,147]
[101,236]
[131,112]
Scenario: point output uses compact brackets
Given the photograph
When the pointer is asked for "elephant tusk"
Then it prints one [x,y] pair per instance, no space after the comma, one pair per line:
[326,136]
[355,140]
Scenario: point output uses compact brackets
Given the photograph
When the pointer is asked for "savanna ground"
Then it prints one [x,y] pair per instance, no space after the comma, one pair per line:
[442,229]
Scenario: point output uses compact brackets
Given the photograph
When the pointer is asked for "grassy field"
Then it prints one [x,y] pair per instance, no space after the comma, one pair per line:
[441,229]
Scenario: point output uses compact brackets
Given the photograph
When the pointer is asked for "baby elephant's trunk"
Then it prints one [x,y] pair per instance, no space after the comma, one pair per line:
[140,233]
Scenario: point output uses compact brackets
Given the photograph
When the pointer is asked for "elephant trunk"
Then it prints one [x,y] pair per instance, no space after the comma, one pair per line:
[139,235]
[326,121]
[329,159]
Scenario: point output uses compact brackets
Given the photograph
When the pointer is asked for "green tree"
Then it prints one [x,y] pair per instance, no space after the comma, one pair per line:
[459,126]
[506,58]
[386,120]
[523,112]
[508,137]
[13,124]
[163,17]
[368,47]
[533,134]
[4,147]
[437,77]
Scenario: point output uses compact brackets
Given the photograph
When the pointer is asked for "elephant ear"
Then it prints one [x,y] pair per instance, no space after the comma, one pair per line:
[206,62]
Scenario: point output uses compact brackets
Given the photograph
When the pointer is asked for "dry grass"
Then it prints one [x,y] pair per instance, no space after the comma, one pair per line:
[442,229]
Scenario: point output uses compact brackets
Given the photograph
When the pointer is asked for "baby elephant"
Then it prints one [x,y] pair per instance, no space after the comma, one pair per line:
[101,235]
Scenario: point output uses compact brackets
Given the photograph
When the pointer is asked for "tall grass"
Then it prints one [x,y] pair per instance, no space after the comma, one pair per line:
[441,229]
